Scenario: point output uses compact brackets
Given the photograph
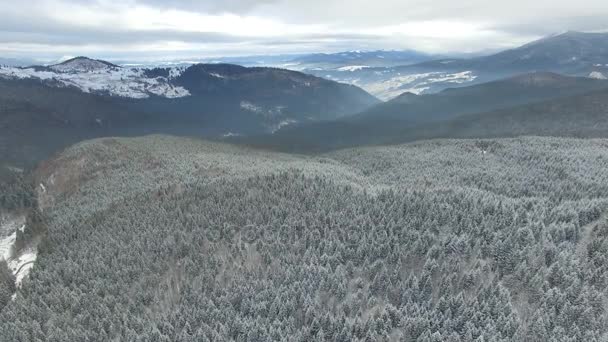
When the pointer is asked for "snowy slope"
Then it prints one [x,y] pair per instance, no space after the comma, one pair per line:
[82,64]
[92,76]
[21,263]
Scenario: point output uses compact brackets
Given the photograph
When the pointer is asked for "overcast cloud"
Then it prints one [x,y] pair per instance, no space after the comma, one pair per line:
[190,28]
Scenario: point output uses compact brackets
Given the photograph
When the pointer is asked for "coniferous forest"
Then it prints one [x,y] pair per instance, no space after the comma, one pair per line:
[174,239]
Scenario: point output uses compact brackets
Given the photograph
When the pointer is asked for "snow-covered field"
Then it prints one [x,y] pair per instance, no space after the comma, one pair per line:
[21,263]
[282,124]
[8,228]
[115,81]
[416,83]
[597,75]
[352,68]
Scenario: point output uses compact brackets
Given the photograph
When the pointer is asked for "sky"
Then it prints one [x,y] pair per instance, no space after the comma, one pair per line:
[182,29]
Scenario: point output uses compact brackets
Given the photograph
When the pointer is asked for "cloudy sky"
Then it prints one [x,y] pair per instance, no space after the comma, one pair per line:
[157,29]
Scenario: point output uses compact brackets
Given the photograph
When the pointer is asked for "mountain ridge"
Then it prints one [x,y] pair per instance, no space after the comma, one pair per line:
[82,64]
[90,98]
[515,90]
[417,117]
[571,53]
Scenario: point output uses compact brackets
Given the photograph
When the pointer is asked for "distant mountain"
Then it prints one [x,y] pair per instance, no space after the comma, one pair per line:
[363,59]
[45,108]
[239,100]
[98,77]
[462,112]
[15,61]
[83,64]
[387,83]
[513,91]
[571,53]
[301,61]
[274,94]
[583,116]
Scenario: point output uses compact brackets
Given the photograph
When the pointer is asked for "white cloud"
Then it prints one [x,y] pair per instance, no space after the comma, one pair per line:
[257,26]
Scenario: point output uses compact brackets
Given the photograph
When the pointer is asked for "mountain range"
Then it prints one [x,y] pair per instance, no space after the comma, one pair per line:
[570,53]
[509,92]
[83,97]
[535,104]
[291,110]
[349,60]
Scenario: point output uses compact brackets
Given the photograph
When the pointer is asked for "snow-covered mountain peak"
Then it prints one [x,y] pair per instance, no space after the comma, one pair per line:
[83,64]
[95,76]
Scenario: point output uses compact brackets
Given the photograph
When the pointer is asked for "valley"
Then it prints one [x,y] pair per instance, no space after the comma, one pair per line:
[570,53]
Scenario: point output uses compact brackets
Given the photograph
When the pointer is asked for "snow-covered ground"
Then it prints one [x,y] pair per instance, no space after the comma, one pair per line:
[282,124]
[597,75]
[116,81]
[81,65]
[246,105]
[388,83]
[21,263]
[415,83]
[175,72]
[6,245]
[8,228]
[352,68]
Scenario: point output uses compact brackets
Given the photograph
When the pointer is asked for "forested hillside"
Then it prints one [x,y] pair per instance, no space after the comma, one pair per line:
[506,93]
[46,109]
[582,115]
[168,239]
[574,116]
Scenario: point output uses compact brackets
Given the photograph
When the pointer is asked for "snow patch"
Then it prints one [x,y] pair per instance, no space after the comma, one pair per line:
[176,72]
[460,77]
[282,124]
[81,65]
[416,91]
[386,89]
[352,68]
[290,65]
[598,75]
[20,264]
[246,105]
